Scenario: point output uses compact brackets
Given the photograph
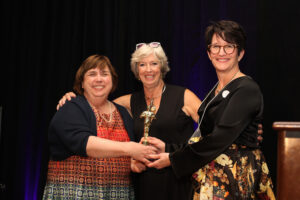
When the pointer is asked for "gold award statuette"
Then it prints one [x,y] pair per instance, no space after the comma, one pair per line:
[148,116]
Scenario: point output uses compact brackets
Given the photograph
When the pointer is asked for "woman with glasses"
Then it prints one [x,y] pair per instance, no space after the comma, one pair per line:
[176,111]
[223,156]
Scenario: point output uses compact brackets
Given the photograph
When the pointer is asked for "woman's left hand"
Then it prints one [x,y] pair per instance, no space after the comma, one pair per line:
[155,142]
[161,160]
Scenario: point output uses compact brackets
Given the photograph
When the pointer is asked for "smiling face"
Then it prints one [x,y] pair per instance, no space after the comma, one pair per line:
[221,61]
[149,71]
[97,83]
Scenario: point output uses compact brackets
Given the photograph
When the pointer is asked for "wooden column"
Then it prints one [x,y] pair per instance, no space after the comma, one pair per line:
[288,160]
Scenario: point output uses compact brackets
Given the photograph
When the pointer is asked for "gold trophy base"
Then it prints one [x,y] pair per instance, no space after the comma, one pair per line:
[145,142]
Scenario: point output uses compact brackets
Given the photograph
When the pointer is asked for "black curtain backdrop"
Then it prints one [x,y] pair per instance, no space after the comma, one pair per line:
[44,42]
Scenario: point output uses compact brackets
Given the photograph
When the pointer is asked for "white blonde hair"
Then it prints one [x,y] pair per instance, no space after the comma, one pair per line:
[145,51]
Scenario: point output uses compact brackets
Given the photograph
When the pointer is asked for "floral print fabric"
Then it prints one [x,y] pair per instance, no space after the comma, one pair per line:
[238,173]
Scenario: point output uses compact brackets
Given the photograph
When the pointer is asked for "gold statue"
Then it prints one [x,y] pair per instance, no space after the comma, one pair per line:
[149,115]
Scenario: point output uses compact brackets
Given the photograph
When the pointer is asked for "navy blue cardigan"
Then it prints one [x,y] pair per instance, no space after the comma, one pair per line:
[72,125]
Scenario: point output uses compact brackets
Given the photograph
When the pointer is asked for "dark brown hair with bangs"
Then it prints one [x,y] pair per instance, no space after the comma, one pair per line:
[229,31]
[92,62]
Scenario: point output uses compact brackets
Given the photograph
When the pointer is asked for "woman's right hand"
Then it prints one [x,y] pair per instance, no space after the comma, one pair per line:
[157,143]
[68,96]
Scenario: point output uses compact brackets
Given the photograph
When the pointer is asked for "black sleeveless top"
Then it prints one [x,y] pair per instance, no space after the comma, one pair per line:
[171,125]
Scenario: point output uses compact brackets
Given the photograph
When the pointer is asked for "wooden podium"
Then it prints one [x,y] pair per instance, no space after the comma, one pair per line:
[288,160]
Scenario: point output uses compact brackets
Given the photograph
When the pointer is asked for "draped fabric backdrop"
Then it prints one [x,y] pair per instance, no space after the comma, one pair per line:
[44,42]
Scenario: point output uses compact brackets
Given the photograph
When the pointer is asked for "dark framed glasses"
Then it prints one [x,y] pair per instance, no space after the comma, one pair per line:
[151,44]
[228,49]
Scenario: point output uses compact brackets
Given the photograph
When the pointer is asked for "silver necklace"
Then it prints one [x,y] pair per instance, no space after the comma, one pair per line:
[217,91]
[197,134]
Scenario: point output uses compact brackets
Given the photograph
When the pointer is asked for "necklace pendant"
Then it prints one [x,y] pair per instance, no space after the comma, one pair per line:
[154,97]
[102,115]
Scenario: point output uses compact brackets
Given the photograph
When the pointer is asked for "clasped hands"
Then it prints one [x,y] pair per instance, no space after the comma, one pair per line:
[159,160]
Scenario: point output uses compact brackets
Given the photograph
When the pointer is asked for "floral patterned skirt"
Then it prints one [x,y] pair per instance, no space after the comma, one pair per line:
[238,173]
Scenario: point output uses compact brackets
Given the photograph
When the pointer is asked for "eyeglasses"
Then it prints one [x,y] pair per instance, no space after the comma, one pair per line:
[228,49]
[151,44]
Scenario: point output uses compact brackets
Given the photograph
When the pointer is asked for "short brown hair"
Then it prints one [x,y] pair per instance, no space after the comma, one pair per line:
[92,62]
[229,31]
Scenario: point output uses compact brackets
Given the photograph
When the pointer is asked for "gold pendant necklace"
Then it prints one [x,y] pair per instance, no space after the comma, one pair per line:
[152,98]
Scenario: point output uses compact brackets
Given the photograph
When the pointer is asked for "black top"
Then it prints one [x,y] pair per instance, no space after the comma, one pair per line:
[230,117]
[171,125]
[72,125]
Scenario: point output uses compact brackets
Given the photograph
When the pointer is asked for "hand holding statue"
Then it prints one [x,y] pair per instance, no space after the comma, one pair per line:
[161,158]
